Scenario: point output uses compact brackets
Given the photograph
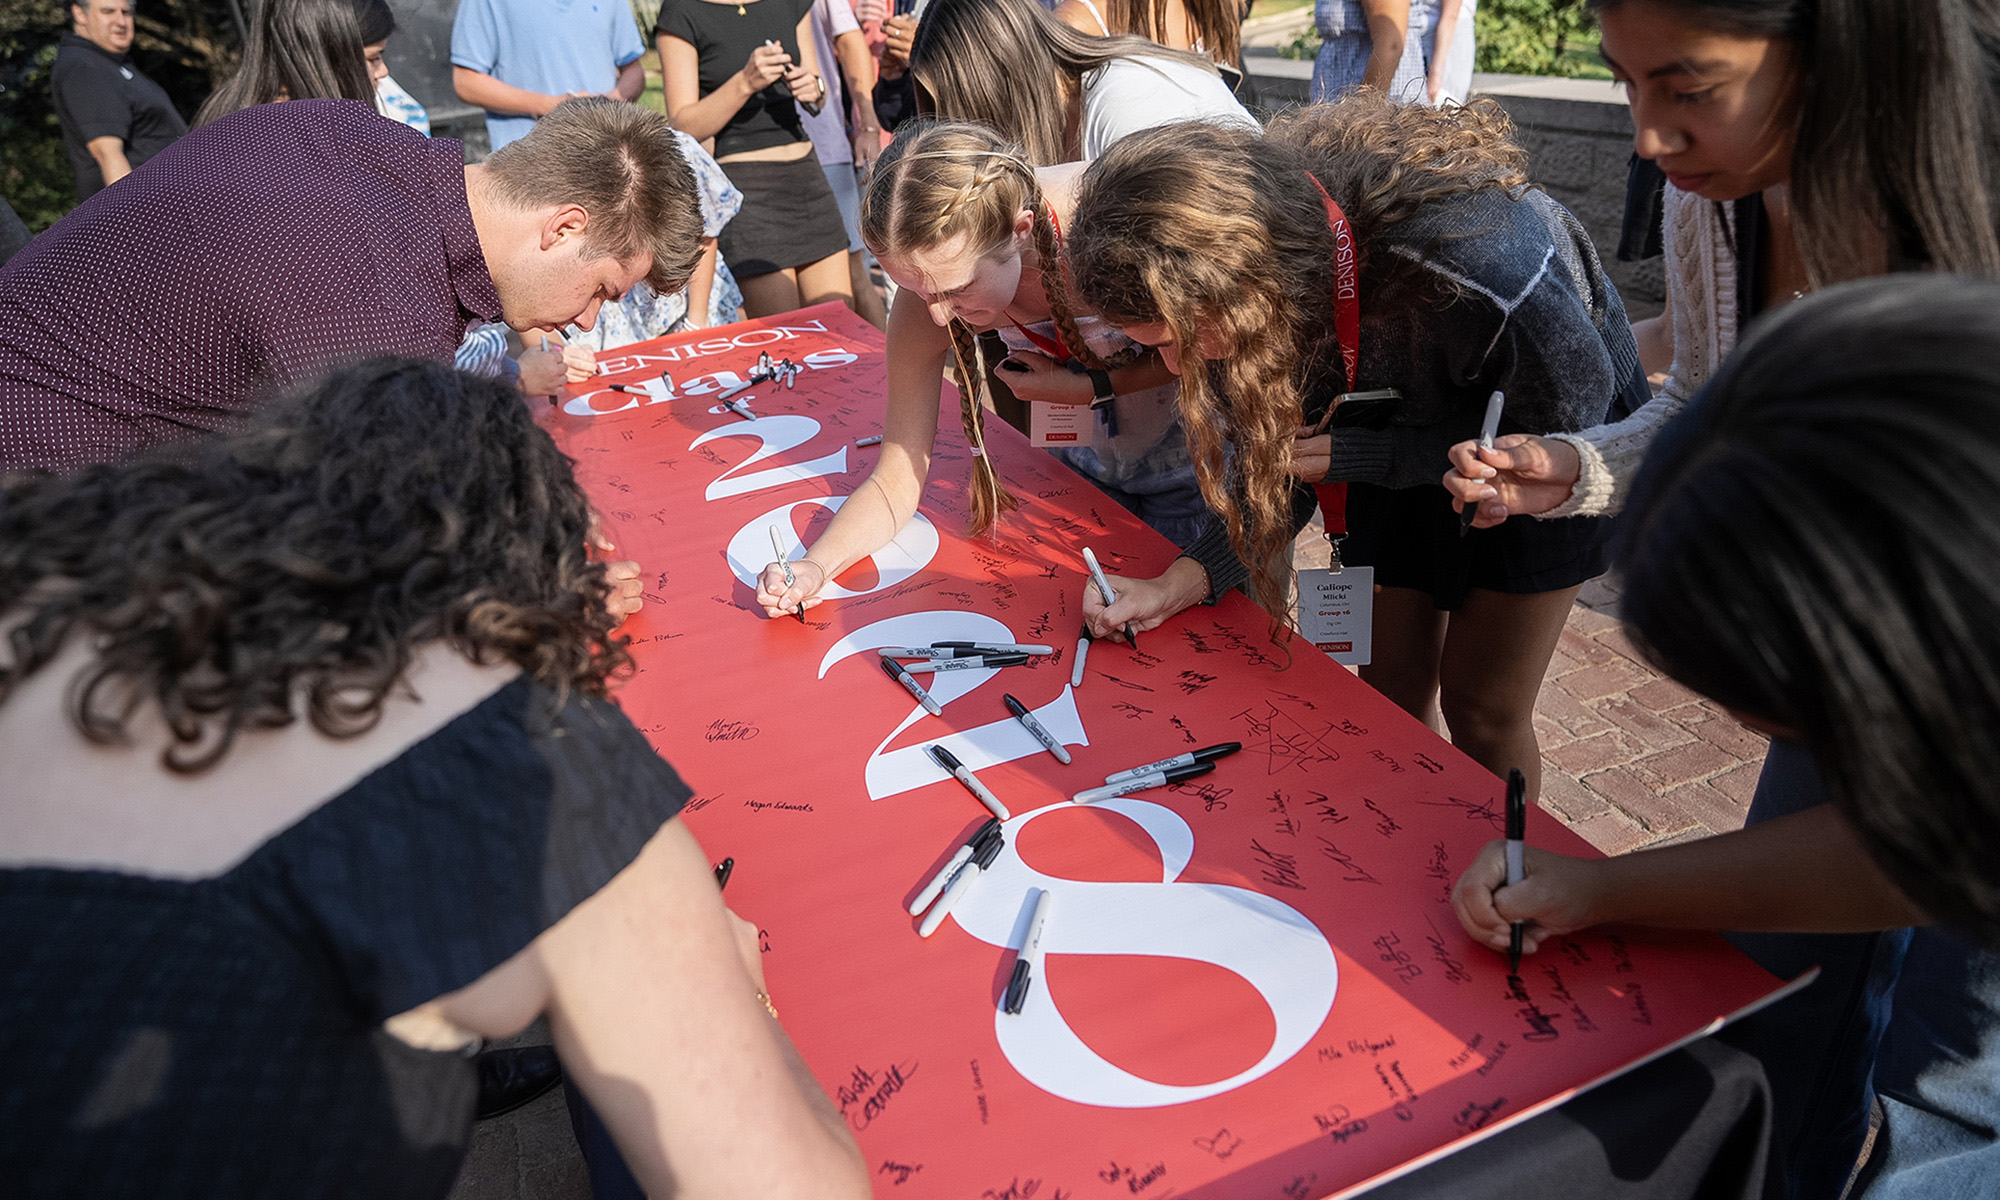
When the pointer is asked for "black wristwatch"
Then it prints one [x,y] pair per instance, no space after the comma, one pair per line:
[1100,386]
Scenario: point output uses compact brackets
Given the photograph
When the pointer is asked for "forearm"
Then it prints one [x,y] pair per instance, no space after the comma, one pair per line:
[1147,373]
[1447,28]
[111,161]
[1388,28]
[486,92]
[631,81]
[1805,873]
[705,117]
[701,285]
[857,68]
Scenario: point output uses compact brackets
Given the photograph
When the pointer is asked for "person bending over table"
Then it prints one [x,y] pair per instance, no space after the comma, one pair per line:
[968,229]
[280,241]
[284,715]
[1813,547]
[1775,187]
[1220,247]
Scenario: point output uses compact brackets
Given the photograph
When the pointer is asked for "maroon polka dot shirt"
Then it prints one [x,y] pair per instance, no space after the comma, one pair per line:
[253,254]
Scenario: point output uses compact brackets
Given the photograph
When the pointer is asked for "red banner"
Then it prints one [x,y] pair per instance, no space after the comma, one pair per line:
[1253,983]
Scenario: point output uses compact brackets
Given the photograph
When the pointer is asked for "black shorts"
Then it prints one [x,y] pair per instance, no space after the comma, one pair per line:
[1410,536]
[789,217]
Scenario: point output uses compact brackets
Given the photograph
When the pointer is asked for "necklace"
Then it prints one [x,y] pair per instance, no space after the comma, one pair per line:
[742,11]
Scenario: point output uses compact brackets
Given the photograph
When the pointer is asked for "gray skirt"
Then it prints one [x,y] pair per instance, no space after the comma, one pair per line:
[789,217]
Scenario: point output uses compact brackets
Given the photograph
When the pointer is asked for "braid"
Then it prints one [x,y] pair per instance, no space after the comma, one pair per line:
[989,498]
[1056,291]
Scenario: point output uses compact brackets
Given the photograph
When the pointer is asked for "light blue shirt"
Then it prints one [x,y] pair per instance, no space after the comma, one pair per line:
[547,46]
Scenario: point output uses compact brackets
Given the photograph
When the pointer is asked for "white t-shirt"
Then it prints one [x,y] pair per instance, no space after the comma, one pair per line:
[1127,95]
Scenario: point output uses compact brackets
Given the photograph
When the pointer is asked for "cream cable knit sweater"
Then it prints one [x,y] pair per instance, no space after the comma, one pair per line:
[1701,274]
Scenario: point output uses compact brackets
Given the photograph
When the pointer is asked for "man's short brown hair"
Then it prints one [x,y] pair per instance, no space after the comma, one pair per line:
[623,166]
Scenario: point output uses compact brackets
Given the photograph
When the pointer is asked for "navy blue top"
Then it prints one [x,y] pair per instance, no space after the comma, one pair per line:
[222,1037]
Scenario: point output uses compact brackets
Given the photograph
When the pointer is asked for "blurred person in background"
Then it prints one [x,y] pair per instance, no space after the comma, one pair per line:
[113,118]
[517,59]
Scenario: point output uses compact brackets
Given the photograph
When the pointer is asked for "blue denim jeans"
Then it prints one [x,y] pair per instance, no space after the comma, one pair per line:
[1939,1078]
[1819,1046]
[1909,1016]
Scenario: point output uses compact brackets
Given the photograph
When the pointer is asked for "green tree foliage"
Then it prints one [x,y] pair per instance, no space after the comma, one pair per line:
[186,46]
[1531,37]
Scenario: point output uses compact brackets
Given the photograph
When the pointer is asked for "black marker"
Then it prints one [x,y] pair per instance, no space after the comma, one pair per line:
[1205,754]
[1041,734]
[958,770]
[1150,779]
[985,848]
[896,672]
[933,889]
[1517,829]
[1028,957]
[722,870]
[977,663]
[619,387]
[966,649]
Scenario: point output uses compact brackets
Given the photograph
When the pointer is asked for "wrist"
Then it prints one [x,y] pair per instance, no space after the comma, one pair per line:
[1187,583]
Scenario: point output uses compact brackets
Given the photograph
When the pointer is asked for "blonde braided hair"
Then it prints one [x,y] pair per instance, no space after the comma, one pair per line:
[939,180]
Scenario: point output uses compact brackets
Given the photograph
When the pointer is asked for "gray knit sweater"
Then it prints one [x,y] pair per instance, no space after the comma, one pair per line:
[1529,312]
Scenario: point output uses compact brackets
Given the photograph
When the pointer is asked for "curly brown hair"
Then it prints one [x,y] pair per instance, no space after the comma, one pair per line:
[306,558]
[1219,231]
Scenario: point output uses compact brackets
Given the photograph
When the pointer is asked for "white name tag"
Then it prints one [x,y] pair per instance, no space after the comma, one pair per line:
[1337,612]
[1059,424]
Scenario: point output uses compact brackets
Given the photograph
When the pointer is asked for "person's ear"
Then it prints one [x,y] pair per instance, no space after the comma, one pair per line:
[566,224]
[1024,225]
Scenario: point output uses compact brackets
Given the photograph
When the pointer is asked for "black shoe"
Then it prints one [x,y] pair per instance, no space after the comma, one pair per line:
[510,1078]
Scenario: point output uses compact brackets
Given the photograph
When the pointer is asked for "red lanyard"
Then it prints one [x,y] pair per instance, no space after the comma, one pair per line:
[1055,350]
[1347,329]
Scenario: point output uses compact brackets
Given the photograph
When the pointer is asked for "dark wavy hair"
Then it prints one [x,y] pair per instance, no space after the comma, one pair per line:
[1815,543]
[304,559]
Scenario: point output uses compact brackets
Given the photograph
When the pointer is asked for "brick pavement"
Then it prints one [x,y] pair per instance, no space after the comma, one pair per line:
[1630,760]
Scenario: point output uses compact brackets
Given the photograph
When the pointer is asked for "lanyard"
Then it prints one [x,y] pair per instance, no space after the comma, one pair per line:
[1347,329]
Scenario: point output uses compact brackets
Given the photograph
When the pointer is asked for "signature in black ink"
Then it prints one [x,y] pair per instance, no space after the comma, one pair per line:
[1541,1025]
[1132,711]
[1301,1186]
[1385,824]
[776,806]
[1222,1145]
[899,1173]
[867,1093]
[1395,768]
[1476,1115]
[1351,871]
[1135,1180]
[1400,963]
[1280,870]
[1474,810]
[1187,735]
[1287,740]
[730,731]
[1193,681]
[1211,797]
[1454,970]
[1428,763]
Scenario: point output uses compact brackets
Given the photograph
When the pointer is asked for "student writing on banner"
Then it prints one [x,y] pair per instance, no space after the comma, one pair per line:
[1463,281]
[1777,182]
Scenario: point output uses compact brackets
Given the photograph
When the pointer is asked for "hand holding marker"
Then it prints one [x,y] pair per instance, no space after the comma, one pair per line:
[778,545]
[1104,591]
[1487,429]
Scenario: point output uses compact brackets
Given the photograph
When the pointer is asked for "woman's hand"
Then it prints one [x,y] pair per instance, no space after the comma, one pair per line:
[781,600]
[902,34]
[1522,473]
[1145,603]
[1037,377]
[806,86]
[1557,895]
[766,65]
[579,362]
[1312,455]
